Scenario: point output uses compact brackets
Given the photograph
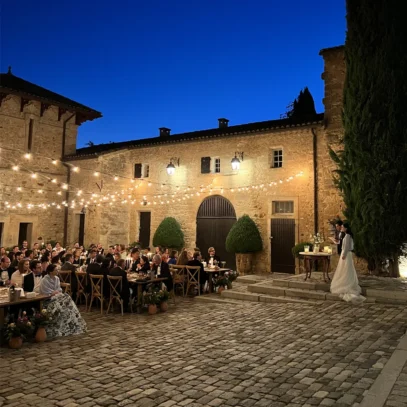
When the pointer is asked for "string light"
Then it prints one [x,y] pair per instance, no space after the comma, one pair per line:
[27,156]
[15,167]
[55,162]
[75,169]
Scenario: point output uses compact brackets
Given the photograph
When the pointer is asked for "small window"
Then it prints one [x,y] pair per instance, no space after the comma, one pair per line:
[141,170]
[30,135]
[146,170]
[283,207]
[216,167]
[276,158]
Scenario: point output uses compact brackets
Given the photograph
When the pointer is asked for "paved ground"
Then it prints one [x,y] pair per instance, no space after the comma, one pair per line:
[199,354]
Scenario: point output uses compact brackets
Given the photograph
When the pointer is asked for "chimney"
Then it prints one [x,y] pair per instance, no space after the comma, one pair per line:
[164,132]
[223,123]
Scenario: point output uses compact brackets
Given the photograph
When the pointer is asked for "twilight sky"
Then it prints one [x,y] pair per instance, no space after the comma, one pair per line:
[166,63]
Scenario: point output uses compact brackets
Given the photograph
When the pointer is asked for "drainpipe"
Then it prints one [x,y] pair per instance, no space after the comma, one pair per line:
[68,179]
[315,167]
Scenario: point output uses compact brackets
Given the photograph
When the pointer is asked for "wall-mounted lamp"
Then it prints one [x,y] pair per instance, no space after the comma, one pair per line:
[171,166]
[236,161]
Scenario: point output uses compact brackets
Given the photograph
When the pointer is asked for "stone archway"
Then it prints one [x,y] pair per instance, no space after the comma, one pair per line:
[216,215]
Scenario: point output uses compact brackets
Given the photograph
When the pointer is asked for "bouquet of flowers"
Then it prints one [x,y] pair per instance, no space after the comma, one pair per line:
[164,295]
[21,328]
[221,281]
[317,239]
[151,297]
[42,318]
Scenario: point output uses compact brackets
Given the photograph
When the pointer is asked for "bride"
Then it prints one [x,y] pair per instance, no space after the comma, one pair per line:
[345,282]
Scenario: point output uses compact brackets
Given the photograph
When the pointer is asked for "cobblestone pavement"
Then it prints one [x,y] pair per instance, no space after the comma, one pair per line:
[398,395]
[198,354]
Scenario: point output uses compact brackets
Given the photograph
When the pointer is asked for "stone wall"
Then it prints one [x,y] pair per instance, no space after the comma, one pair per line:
[46,144]
[119,223]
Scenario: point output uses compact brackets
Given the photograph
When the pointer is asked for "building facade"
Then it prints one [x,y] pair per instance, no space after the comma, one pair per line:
[122,191]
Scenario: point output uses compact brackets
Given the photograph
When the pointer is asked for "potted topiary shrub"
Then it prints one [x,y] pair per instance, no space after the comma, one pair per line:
[169,234]
[244,240]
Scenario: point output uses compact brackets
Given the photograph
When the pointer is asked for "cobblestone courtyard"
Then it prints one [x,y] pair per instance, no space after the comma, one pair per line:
[200,354]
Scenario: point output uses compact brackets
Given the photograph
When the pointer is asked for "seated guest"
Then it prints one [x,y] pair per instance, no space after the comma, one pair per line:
[173,257]
[183,258]
[203,275]
[94,268]
[77,257]
[110,253]
[69,266]
[164,271]
[17,257]
[134,259]
[104,271]
[212,257]
[66,318]
[33,279]
[92,257]
[5,266]
[125,291]
[147,252]
[100,249]
[17,277]
[144,265]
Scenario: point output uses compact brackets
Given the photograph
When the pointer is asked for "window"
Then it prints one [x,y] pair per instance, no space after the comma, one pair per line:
[141,170]
[276,158]
[216,167]
[30,135]
[210,165]
[283,207]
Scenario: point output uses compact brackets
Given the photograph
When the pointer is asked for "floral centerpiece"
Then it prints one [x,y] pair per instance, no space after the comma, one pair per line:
[230,277]
[317,240]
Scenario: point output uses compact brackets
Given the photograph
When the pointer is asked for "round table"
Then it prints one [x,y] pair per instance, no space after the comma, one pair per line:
[310,258]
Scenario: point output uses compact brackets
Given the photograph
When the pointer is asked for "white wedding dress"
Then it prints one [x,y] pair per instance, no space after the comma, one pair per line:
[345,282]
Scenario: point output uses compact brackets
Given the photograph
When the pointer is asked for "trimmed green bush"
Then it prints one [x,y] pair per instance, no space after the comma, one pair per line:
[169,234]
[244,237]
[299,247]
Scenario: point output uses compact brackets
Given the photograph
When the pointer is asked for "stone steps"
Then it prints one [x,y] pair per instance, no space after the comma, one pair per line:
[256,297]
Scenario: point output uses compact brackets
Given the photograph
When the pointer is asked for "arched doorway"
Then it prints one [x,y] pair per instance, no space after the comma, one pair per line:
[214,220]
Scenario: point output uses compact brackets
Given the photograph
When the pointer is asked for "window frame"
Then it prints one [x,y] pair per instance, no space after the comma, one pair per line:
[279,156]
[290,204]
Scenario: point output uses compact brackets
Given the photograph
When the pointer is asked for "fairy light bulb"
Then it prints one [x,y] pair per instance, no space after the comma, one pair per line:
[34,175]
[116,178]
[27,156]
[96,173]
[75,169]
[15,167]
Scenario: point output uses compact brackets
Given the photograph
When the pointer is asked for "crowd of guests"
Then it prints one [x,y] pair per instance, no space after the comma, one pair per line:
[37,269]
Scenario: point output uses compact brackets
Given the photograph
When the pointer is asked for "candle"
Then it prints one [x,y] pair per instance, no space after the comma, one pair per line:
[326,249]
[306,249]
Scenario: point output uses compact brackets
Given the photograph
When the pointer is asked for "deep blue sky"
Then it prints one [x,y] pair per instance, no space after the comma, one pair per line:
[166,63]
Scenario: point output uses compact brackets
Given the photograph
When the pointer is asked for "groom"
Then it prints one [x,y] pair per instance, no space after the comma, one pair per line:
[339,235]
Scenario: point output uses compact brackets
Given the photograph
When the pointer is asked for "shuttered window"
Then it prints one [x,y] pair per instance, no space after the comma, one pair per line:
[205,165]
[138,170]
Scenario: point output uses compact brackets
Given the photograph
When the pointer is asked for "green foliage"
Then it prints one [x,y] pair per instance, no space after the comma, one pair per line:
[169,234]
[299,247]
[303,107]
[244,237]
[372,167]
[134,244]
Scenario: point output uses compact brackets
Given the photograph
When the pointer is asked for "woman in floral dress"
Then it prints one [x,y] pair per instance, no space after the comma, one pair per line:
[65,317]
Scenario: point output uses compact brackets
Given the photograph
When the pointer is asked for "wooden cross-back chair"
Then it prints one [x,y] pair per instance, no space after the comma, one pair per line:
[193,277]
[115,283]
[96,281]
[179,279]
[65,277]
[82,280]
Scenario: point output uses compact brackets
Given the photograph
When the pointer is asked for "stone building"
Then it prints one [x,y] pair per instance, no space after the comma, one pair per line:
[37,128]
[122,191]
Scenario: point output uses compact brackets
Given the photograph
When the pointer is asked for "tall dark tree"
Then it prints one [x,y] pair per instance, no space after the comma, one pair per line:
[303,107]
[372,168]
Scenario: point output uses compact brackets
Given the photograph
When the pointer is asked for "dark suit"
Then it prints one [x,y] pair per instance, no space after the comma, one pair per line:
[340,238]
[28,282]
[93,268]
[165,273]
[88,261]
[74,284]
[125,292]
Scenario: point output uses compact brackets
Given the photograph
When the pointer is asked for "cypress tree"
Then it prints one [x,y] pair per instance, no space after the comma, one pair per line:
[372,165]
[303,106]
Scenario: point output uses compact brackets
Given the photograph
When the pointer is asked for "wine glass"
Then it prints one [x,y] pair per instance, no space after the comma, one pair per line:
[223,264]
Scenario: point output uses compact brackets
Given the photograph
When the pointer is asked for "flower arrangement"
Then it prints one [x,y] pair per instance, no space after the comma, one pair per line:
[164,295]
[42,318]
[151,297]
[22,328]
[221,281]
[317,239]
